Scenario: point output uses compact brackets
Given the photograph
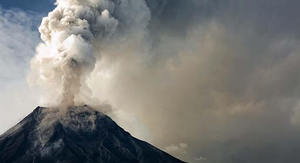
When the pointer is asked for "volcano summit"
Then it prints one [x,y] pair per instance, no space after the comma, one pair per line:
[79,135]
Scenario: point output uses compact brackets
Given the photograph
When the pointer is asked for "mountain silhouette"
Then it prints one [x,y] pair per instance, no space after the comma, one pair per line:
[80,134]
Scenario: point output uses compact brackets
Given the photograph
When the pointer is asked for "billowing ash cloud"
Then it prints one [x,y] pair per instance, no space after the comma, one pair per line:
[221,76]
[69,33]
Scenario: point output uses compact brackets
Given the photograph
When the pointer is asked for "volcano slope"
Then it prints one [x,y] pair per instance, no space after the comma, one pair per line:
[78,135]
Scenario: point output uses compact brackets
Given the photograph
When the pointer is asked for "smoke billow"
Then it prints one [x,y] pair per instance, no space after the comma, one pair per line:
[70,32]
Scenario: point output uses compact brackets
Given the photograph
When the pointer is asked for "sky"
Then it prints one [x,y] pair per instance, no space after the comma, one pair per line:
[19,36]
[213,81]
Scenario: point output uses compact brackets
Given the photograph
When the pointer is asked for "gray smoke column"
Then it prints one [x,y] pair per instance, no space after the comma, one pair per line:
[70,33]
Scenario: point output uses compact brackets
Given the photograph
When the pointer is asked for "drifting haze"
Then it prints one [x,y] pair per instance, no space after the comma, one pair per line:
[208,81]
[222,80]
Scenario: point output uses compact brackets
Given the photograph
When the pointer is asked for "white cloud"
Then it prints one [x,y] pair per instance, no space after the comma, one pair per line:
[178,150]
[18,38]
[201,158]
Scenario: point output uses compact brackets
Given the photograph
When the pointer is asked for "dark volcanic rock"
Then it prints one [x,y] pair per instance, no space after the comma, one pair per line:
[80,135]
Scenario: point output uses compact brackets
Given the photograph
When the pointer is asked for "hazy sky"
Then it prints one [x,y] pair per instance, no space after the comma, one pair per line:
[214,81]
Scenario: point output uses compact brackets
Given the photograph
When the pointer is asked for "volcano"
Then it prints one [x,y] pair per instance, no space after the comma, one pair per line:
[80,134]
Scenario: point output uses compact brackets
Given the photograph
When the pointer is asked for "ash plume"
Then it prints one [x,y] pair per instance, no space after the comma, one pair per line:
[70,32]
